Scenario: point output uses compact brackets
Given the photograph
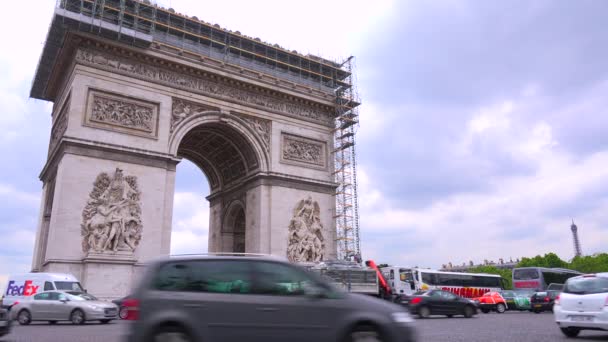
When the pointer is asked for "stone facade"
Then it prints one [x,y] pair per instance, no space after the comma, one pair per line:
[129,117]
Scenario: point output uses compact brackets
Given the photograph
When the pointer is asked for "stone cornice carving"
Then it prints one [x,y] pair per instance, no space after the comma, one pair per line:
[303,151]
[123,114]
[209,85]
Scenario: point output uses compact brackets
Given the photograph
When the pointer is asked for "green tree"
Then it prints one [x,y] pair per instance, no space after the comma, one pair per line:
[590,263]
[548,260]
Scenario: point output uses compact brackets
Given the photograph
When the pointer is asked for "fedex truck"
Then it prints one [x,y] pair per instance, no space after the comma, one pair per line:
[22,286]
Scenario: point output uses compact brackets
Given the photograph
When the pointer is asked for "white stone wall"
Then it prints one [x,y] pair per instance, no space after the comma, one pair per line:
[75,178]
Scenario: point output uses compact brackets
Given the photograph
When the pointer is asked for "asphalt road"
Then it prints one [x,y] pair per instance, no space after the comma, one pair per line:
[492,327]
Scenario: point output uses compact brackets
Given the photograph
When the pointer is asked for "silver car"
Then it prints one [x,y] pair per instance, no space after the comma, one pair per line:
[246,298]
[53,306]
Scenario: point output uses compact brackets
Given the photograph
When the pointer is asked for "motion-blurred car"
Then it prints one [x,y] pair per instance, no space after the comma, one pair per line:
[438,302]
[491,301]
[54,306]
[583,305]
[5,322]
[517,300]
[254,298]
[543,301]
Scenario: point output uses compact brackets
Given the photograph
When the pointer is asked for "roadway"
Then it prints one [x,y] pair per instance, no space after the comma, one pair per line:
[492,327]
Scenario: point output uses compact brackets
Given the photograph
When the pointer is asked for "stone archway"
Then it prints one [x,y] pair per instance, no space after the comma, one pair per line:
[125,115]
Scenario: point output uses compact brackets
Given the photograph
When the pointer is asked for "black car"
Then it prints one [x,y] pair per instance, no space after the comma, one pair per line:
[543,301]
[122,309]
[5,322]
[438,302]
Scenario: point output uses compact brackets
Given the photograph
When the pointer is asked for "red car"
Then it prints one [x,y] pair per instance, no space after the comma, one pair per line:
[491,301]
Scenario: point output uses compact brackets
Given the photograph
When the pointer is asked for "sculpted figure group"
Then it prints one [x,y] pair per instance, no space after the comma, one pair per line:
[305,239]
[111,218]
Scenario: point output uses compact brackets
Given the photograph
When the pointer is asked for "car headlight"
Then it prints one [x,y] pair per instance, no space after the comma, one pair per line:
[401,317]
[94,307]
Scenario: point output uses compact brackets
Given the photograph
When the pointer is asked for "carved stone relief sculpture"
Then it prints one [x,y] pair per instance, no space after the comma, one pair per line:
[126,115]
[261,127]
[184,109]
[111,219]
[59,128]
[303,151]
[305,242]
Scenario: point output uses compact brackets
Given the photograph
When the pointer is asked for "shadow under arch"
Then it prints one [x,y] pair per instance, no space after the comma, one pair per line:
[224,146]
[233,227]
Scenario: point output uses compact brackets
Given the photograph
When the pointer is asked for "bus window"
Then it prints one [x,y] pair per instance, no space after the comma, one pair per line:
[525,274]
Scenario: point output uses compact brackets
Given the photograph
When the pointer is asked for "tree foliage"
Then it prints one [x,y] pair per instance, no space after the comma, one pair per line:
[586,264]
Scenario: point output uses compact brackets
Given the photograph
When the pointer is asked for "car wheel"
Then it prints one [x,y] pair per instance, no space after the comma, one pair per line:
[485,310]
[500,308]
[171,333]
[364,333]
[105,321]
[570,332]
[77,317]
[123,312]
[424,312]
[52,322]
[536,311]
[24,317]
[469,311]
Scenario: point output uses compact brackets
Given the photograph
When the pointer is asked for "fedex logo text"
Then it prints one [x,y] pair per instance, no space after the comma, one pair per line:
[27,289]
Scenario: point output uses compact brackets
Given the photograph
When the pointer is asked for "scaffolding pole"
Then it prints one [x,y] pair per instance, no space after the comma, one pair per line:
[345,166]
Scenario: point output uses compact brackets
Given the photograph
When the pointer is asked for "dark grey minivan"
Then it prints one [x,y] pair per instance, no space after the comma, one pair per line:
[254,298]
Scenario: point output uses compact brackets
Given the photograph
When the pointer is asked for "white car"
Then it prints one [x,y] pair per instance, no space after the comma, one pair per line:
[583,305]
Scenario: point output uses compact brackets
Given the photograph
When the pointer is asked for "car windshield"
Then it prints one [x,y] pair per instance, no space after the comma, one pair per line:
[80,296]
[68,286]
[508,294]
[586,285]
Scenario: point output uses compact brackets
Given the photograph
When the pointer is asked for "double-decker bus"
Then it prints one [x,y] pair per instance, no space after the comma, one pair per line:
[407,281]
[538,278]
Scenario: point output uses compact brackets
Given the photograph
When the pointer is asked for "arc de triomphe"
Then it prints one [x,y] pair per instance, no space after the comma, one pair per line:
[136,89]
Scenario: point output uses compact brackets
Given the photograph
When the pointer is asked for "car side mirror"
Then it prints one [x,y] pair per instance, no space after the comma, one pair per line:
[64,300]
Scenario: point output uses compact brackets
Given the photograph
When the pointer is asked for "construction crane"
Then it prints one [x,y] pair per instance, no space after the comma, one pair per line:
[345,165]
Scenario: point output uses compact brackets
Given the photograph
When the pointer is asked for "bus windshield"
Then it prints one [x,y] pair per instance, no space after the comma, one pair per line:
[525,274]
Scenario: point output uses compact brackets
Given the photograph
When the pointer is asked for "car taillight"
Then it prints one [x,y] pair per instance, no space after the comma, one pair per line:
[132,306]
[416,300]
[556,301]
[547,299]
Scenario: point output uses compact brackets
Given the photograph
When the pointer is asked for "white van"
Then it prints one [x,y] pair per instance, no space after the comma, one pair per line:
[20,286]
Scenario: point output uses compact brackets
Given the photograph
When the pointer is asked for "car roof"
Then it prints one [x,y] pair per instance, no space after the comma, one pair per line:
[219,256]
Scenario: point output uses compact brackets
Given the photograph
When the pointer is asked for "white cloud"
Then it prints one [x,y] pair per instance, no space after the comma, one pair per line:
[190,223]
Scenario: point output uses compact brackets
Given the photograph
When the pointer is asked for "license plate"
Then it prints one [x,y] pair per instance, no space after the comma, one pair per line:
[538,305]
[581,318]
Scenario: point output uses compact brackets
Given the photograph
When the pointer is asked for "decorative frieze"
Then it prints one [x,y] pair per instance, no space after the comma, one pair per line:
[208,85]
[305,241]
[111,219]
[303,151]
[122,114]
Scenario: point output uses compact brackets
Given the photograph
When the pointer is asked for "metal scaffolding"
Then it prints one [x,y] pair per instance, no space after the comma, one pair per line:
[345,164]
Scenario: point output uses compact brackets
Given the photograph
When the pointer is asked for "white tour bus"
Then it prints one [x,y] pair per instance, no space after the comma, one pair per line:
[20,286]
[407,281]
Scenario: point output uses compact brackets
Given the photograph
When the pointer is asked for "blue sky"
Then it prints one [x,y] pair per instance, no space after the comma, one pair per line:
[482,126]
